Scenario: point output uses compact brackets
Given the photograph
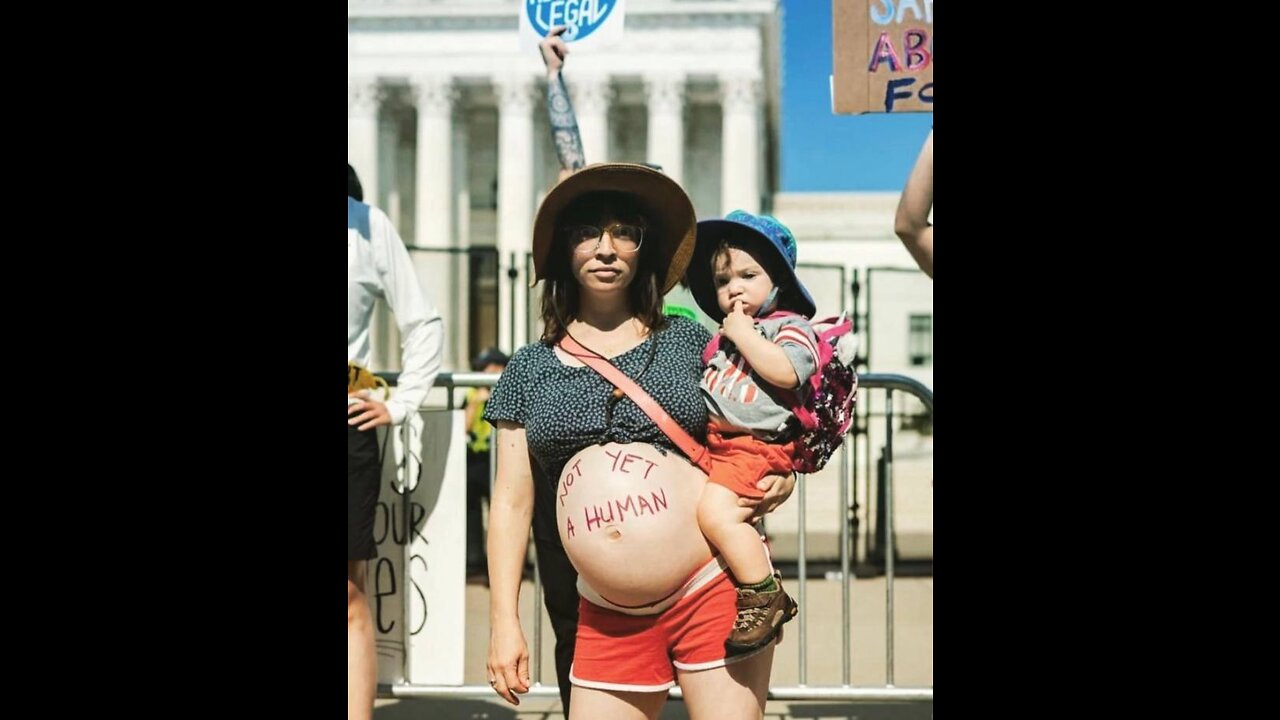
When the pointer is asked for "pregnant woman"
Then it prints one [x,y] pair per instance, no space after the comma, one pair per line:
[607,492]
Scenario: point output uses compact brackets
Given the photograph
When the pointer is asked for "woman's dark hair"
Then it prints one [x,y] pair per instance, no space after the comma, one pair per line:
[561,293]
[353,184]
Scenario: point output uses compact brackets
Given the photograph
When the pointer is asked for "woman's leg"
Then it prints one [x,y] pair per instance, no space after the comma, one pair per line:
[363,471]
[362,663]
[591,704]
[732,692]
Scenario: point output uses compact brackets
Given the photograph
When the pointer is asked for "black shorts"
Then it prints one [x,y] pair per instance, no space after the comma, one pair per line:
[364,473]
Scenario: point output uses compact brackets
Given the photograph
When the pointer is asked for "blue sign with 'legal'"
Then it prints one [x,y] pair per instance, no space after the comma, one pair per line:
[582,17]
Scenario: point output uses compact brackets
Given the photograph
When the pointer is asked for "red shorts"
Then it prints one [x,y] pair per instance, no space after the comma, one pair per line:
[640,653]
[738,462]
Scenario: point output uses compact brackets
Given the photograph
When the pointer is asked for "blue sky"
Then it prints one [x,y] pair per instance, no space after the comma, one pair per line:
[826,152]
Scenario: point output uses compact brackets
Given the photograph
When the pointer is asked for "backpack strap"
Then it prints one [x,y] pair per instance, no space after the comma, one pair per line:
[713,347]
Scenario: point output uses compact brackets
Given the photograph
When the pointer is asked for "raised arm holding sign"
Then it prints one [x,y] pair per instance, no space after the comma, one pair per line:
[564,125]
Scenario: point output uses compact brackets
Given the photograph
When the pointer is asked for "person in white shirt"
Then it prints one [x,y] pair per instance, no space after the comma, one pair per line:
[378,266]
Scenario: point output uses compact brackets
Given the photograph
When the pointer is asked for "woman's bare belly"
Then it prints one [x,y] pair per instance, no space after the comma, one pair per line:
[627,516]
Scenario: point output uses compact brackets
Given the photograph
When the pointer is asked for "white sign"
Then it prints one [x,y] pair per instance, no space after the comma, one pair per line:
[591,23]
[425,645]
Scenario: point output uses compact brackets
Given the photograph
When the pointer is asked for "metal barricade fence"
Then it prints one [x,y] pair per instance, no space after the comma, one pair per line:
[888,692]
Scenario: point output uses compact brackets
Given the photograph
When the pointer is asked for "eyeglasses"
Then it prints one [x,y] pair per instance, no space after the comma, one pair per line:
[586,239]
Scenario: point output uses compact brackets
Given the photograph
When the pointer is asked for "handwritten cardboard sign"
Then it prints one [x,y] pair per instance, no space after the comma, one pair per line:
[882,56]
[420,559]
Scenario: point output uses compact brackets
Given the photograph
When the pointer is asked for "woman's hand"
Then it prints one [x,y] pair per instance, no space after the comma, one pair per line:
[508,663]
[372,413]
